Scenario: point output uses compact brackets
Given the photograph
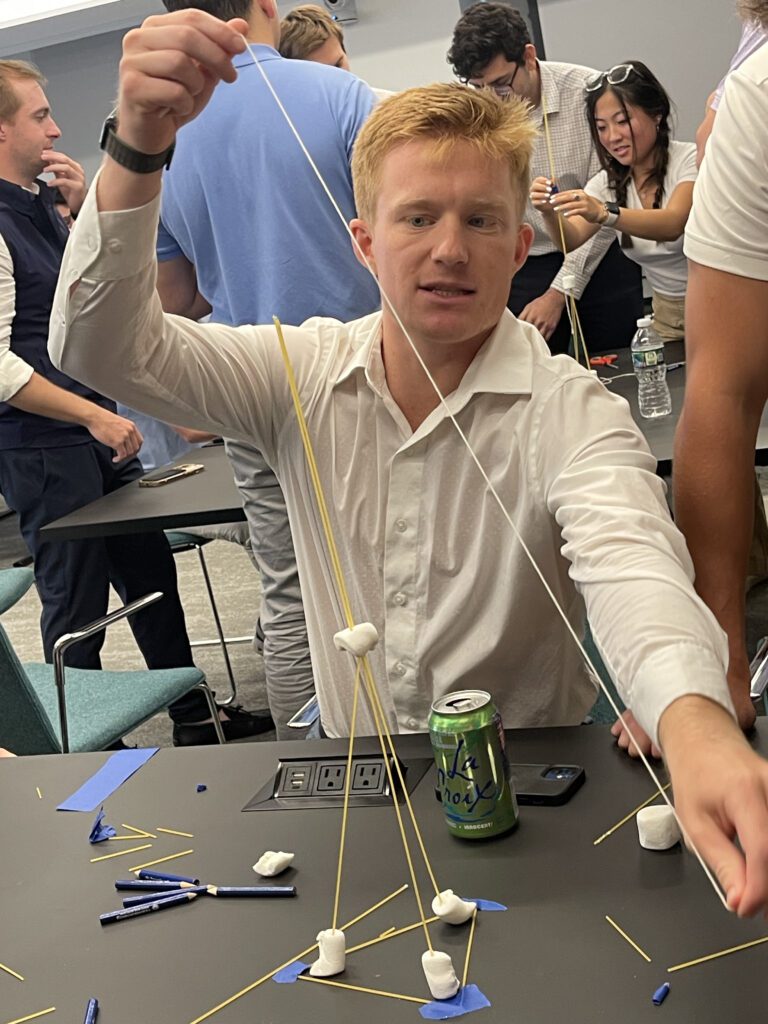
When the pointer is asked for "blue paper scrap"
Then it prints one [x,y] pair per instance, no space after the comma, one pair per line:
[201,787]
[290,973]
[485,904]
[112,774]
[660,994]
[467,1000]
[100,833]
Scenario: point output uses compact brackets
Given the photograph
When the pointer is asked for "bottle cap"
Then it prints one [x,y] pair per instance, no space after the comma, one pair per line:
[645,321]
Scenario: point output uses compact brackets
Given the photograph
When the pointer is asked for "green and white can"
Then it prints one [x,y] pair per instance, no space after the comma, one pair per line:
[472,772]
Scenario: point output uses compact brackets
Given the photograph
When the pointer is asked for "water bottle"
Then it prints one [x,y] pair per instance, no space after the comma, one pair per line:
[650,369]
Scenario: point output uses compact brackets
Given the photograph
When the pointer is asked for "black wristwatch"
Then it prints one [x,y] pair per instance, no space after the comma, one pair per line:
[612,211]
[127,156]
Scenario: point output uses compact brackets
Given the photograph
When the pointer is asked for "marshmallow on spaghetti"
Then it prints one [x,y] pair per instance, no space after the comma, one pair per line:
[333,953]
[452,908]
[441,977]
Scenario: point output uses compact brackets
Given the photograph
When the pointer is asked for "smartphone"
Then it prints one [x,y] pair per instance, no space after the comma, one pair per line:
[548,784]
[160,477]
[306,715]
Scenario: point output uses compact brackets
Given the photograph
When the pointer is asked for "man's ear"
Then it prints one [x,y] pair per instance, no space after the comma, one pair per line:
[529,56]
[364,238]
[522,245]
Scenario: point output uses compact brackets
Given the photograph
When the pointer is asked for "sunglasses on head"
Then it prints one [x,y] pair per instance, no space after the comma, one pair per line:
[615,76]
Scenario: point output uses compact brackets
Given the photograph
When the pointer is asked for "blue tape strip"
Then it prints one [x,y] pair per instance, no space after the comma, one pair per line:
[100,833]
[120,766]
[485,904]
[290,973]
[466,1000]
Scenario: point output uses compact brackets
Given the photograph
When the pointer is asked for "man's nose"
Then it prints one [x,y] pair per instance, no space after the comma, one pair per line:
[450,244]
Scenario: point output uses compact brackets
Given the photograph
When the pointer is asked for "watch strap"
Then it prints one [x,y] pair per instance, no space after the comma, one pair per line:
[133,159]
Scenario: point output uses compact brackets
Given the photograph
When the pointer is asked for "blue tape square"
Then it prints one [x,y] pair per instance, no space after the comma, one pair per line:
[290,973]
[466,1000]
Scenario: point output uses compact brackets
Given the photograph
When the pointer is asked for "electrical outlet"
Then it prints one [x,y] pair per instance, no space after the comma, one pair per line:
[330,777]
[296,778]
[368,776]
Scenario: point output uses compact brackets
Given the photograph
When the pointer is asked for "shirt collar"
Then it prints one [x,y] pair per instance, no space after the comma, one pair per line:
[550,93]
[504,365]
[19,198]
[262,52]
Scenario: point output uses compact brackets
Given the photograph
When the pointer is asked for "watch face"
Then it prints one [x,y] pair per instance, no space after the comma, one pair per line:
[613,208]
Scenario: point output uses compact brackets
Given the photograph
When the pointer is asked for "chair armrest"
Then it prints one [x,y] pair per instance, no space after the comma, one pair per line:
[68,639]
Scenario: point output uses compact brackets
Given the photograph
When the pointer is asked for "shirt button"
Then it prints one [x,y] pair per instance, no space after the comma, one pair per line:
[400,668]
[401,599]
[412,723]
[401,526]
[115,245]
[92,243]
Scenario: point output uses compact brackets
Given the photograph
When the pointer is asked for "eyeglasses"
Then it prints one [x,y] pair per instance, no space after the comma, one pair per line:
[503,89]
[615,76]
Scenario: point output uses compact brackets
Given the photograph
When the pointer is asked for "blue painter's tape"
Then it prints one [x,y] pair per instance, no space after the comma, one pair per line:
[290,973]
[99,832]
[466,1000]
[119,767]
[485,904]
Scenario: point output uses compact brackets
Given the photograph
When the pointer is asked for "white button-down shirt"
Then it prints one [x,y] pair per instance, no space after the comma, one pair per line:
[427,555]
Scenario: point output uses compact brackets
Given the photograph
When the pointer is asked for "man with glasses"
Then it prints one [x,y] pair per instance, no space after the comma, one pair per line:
[492,49]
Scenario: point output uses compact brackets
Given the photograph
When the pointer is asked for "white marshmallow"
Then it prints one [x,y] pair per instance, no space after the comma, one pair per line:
[272,863]
[441,977]
[452,908]
[359,640]
[333,953]
[657,828]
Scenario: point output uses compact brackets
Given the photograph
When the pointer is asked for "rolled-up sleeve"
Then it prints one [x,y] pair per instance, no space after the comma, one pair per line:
[14,371]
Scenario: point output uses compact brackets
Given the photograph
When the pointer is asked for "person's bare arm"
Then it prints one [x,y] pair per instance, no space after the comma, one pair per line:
[43,398]
[582,211]
[725,392]
[178,291]
[705,130]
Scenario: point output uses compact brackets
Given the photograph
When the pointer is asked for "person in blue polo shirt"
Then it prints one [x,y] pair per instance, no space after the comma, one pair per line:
[61,443]
[247,234]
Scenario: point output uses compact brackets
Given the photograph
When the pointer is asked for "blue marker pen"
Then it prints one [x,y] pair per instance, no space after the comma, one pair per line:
[92,1012]
[164,903]
[150,897]
[251,890]
[147,885]
[164,876]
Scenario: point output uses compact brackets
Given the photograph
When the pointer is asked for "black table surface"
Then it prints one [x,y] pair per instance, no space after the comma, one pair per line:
[552,957]
[205,498]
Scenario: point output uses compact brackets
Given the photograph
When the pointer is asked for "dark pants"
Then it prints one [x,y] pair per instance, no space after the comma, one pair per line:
[608,310]
[73,576]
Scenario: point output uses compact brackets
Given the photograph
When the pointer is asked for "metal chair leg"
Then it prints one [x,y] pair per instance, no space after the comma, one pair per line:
[219,630]
[208,694]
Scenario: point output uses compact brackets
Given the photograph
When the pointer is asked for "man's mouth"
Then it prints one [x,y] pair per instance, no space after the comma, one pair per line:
[447,291]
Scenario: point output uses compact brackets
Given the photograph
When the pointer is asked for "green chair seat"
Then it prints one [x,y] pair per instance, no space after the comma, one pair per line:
[130,697]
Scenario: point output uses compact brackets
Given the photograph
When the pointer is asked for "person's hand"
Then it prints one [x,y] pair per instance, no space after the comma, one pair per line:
[540,194]
[194,436]
[577,201]
[118,433]
[545,312]
[170,67]
[721,794]
[647,746]
[69,177]
[6,753]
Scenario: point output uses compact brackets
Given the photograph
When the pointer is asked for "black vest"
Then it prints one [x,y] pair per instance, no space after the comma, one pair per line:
[36,236]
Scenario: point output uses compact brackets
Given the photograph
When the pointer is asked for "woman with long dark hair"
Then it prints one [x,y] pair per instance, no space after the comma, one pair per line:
[644,191]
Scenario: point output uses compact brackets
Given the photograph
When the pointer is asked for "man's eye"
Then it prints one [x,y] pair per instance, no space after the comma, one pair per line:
[418,221]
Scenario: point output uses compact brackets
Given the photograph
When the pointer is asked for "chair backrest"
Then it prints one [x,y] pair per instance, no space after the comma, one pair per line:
[24,725]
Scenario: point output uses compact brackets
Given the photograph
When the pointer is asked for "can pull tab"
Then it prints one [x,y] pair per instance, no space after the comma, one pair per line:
[460,704]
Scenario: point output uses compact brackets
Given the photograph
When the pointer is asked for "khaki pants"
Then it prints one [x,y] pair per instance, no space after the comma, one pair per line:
[669,316]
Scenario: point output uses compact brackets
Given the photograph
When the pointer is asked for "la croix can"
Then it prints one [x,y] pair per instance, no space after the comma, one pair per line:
[473,782]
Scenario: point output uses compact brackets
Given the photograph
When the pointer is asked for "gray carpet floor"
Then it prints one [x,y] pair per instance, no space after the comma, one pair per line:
[238,595]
